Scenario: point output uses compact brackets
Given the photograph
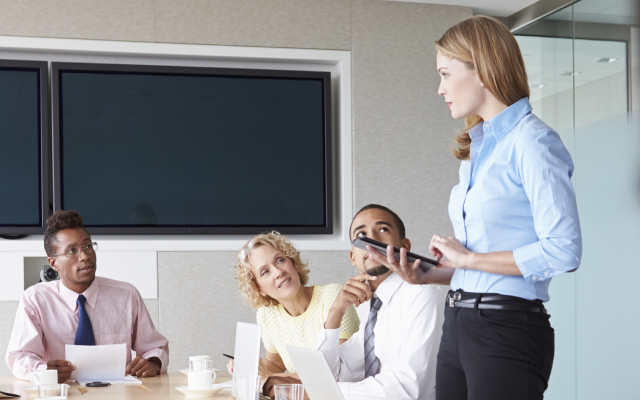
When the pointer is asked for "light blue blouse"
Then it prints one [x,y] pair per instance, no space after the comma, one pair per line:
[515,193]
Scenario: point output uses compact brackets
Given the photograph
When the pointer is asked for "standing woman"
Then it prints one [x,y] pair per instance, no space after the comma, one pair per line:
[515,221]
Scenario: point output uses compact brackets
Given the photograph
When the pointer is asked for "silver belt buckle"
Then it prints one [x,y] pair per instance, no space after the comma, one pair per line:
[455,297]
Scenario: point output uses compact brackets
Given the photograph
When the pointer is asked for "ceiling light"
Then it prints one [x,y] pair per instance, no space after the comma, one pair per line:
[540,86]
[606,59]
[569,73]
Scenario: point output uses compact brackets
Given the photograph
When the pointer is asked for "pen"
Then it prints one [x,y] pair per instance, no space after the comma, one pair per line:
[228,356]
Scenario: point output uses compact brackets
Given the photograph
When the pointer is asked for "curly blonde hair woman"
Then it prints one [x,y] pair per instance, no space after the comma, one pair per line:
[272,276]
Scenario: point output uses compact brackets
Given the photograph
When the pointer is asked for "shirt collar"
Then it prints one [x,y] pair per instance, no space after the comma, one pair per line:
[70,297]
[503,123]
[387,289]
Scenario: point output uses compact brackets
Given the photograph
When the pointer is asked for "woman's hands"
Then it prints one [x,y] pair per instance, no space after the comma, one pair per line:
[496,262]
[457,255]
[411,272]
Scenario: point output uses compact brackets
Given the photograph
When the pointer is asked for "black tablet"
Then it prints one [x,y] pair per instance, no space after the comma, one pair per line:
[362,242]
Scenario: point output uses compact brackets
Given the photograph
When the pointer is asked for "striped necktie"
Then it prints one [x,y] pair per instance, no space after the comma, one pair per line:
[84,335]
[371,362]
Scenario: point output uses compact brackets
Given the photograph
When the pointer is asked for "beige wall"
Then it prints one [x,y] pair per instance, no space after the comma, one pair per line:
[401,127]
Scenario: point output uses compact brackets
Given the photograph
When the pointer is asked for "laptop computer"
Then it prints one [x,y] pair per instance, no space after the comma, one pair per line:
[315,374]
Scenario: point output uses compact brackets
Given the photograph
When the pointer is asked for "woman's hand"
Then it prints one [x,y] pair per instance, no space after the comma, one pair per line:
[409,272]
[230,366]
[457,255]
[496,262]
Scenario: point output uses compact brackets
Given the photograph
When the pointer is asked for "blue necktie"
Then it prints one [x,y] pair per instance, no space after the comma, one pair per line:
[371,362]
[84,336]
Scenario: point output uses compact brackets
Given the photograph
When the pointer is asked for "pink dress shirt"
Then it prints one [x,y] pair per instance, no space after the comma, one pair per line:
[47,319]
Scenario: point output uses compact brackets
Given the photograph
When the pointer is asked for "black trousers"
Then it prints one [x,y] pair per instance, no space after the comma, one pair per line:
[493,354]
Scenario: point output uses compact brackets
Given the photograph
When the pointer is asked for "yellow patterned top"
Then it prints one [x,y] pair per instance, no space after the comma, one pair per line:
[279,329]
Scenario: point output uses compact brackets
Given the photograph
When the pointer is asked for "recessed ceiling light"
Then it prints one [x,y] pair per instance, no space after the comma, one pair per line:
[569,73]
[540,86]
[606,59]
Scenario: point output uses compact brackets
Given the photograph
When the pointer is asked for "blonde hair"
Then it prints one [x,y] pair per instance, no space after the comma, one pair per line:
[486,45]
[247,282]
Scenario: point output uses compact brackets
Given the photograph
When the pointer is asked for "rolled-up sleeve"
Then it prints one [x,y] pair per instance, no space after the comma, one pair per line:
[26,351]
[546,168]
[147,341]
[346,361]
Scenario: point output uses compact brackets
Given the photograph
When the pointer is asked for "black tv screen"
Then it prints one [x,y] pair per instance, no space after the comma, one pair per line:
[24,147]
[166,150]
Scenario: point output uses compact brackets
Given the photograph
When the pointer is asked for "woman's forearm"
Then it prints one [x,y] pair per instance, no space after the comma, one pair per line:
[496,262]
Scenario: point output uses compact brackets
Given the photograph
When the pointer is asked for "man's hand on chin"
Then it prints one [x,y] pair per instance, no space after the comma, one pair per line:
[268,390]
[63,367]
[141,367]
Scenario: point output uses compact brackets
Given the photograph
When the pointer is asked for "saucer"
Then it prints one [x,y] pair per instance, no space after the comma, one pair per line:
[200,392]
[186,371]
[32,390]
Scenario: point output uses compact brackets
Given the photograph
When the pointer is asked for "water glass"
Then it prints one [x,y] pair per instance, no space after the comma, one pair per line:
[200,365]
[57,391]
[247,387]
[289,392]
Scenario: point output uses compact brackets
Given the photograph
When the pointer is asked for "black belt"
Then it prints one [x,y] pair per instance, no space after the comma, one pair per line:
[481,300]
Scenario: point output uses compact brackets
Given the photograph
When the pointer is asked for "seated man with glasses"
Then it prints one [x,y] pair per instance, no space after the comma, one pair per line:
[80,309]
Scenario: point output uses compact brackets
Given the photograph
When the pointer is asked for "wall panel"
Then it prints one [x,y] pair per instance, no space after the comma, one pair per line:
[318,24]
[402,127]
[129,20]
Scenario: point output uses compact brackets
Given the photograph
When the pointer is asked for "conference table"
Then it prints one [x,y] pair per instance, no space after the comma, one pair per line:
[159,387]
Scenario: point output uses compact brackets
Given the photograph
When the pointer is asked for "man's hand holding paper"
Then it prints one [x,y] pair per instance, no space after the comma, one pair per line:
[98,363]
[143,368]
[64,368]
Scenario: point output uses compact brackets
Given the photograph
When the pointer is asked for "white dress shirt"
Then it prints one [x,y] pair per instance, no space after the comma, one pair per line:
[47,320]
[407,338]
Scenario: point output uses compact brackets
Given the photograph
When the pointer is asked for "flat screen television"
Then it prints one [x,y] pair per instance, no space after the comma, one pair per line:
[24,147]
[180,150]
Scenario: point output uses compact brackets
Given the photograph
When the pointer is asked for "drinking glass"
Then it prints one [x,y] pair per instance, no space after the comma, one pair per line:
[200,365]
[289,392]
[57,391]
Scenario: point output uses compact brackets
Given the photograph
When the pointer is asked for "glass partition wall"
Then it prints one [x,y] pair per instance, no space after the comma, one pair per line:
[583,64]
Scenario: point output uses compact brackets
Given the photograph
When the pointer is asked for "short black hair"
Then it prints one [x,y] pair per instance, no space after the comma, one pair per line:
[396,218]
[60,221]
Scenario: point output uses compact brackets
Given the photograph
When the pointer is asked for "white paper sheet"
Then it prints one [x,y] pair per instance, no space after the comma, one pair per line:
[97,363]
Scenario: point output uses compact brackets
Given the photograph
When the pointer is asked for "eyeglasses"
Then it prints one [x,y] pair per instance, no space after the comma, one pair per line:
[73,252]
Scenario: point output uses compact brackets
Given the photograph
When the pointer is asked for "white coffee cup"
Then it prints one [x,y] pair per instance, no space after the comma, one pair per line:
[46,377]
[201,380]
